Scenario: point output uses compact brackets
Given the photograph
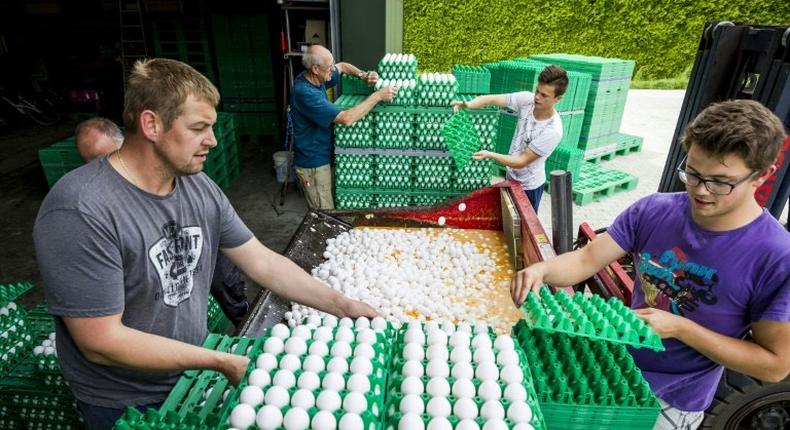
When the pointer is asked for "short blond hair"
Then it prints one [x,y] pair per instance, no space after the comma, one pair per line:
[163,85]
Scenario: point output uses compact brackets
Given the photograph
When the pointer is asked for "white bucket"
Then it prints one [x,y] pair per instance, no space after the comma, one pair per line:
[281,165]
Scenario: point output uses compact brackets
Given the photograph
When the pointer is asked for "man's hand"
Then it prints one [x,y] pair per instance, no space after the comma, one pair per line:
[664,323]
[235,367]
[386,94]
[481,155]
[526,280]
[371,78]
[458,105]
[354,308]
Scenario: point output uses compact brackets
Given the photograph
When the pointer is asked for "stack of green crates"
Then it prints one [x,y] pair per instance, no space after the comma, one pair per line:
[565,158]
[605,104]
[352,85]
[246,77]
[59,159]
[222,164]
[185,40]
[472,79]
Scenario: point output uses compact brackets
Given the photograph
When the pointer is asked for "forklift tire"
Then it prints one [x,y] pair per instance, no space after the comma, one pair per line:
[745,403]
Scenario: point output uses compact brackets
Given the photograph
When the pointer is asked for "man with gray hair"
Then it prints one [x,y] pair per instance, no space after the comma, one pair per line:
[97,137]
[313,115]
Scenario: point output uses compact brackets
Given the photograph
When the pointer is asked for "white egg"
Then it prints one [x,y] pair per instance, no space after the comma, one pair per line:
[414,336]
[281,331]
[324,420]
[309,381]
[437,352]
[242,416]
[412,385]
[411,421]
[366,336]
[461,207]
[464,327]
[482,355]
[362,323]
[495,424]
[328,400]
[323,334]
[259,378]
[460,338]
[439,423]
[273,345]
[487,371]
[465,408]
[507,356]
[461,355]
[463,370]
[378,323]
[314,320]
[467,425]
[266,361]
[38,350]
[318,348]
[358,383]
[341,349]
[439,407]
[284,378]
[333,381]
[330,321]
[442,220]
[512,374]
[413,368]
[515,393]
[290,362]
[463,388]
[364,350]
[269,418]
[48,350]
[438,387]
[481,341]
[412,351]
[504,342]
[489,390]
[437,368]
[492,409]
[45,343]
[337,365]
[437,337]
[296,419]
[412,403]
[276,396]
[251,395]
[346,322]
[355,402]
[344,334]
[481,327]
[303,398]
[519,412]
[313,363]
[362,366]
[302,332]
[351,421]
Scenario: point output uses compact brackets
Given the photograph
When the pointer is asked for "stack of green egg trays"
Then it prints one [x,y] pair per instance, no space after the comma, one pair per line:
[596,183]
[216,320]
[59,159]
[357,135]
[15,333]
[461,138]
[393,172]
[151,419]
[397,66]
[394,130]
[352,85]
[354,171]
[396,386]
[342,332]
[472,79]
[433,173]
[593,317]
[436,89]
[223,164]
[583,383]
[567,158]
[428,127]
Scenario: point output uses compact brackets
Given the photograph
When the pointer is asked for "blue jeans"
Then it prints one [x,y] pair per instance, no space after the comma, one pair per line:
[534,196]
[101,418]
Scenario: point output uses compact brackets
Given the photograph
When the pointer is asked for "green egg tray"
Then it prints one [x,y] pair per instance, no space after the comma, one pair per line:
[461,138]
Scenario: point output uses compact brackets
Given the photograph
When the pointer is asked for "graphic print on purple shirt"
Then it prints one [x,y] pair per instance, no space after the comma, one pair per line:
[674,284]
[723,281]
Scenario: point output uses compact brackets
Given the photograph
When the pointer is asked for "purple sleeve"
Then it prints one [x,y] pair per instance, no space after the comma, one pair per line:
[772,300]
[625,228]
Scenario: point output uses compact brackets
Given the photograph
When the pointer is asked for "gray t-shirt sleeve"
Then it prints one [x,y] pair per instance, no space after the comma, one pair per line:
[80,263]
[233,231]
[520,100]
[545,142]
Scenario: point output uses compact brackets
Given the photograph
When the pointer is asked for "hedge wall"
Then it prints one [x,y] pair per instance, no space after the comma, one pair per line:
[662,36]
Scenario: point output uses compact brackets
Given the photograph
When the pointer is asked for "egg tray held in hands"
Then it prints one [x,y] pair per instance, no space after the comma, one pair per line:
[461,138]
[152,419]
[395,384]
[593,317]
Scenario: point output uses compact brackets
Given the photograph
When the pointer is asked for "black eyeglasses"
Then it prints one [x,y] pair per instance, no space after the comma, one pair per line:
[719,188]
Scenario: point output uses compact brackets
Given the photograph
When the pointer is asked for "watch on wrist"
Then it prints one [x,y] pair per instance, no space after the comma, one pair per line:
[363,75]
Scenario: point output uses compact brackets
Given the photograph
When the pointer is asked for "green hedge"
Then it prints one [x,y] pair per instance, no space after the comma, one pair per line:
[662,36]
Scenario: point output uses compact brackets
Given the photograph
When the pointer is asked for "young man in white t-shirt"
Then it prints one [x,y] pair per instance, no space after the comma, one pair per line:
[538,132]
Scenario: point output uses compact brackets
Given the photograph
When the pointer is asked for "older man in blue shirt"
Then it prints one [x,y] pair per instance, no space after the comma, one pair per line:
[313,116]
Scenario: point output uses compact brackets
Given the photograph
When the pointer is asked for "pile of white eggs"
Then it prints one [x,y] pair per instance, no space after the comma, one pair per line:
[13,334]
[47,346]
[405,274]
[465,377]
[325,374]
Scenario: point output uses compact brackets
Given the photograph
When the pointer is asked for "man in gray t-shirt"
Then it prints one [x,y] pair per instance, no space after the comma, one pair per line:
[538,132]
[126,247]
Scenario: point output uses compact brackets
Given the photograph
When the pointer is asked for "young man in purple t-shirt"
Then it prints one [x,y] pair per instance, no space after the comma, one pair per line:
[711,264]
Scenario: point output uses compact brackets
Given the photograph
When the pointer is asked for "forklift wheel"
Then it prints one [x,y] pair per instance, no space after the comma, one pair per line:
[745,403]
